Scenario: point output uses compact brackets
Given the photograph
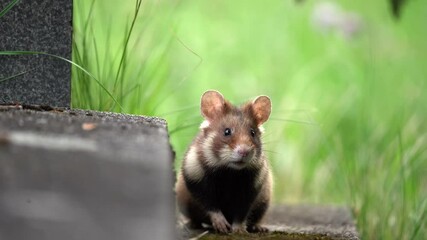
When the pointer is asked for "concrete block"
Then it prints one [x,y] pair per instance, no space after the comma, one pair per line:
[77,174]
[43,26]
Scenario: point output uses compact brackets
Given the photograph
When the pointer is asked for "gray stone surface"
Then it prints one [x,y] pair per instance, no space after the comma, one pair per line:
[76,174]
[332,222]
[36,25]
[296,222]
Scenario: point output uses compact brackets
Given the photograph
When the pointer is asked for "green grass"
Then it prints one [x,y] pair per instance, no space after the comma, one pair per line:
[115,44]
[349,115]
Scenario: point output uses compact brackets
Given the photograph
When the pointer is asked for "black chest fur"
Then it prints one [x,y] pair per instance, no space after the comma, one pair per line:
[228,190]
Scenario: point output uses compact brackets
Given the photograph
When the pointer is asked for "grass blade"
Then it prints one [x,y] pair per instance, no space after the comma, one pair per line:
[420,222]
[14,76]
[137,8]
[172,92]
[8,7]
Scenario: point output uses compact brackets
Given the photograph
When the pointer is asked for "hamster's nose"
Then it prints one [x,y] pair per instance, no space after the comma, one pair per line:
[243,151]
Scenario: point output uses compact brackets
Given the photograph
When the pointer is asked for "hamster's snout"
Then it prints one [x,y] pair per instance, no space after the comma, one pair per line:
[243,153]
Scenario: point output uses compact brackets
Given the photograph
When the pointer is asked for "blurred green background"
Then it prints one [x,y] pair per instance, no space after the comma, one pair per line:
[347,81]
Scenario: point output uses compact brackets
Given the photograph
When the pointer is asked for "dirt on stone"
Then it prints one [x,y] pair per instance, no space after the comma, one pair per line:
[293,222]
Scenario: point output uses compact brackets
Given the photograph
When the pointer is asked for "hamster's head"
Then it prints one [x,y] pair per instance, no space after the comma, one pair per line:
[231,136]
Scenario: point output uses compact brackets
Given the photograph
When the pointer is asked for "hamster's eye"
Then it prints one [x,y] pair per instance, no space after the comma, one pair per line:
[252,132]
[227,132]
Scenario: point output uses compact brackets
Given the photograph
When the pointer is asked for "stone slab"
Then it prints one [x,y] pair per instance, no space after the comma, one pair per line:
[73,174]
[295,222]
[43,26]
[325,222]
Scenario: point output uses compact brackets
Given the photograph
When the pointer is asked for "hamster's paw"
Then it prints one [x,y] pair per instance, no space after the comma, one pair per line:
[239,228]
[258,229]
[219,223]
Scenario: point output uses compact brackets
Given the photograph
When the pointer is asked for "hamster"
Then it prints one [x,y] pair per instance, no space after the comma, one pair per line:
[225,178]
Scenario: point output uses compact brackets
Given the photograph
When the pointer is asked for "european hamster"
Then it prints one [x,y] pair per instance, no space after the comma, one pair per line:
[225,179]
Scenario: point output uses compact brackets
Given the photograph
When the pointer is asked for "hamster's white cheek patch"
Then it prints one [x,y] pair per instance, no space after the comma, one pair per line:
[193,167]
[225,155]
[207,147]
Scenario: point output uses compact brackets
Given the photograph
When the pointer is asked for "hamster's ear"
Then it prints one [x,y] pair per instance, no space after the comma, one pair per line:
[261,108]
[212,104]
